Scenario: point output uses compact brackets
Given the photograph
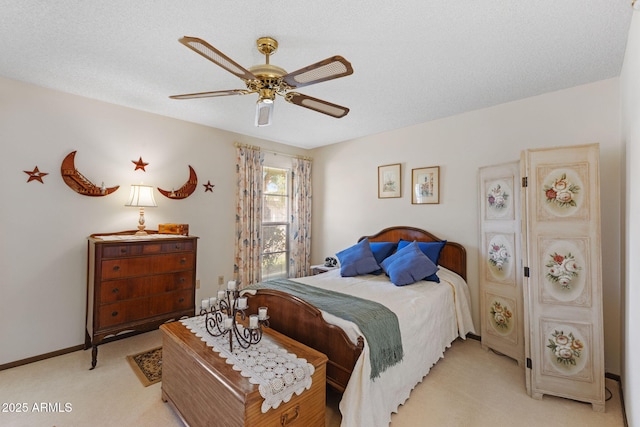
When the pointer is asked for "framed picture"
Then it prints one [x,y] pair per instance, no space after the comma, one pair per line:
[425,185]
[389,184]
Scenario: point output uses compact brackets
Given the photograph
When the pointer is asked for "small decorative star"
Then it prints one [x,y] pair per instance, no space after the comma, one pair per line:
[139,164]
[35,175]
[208,186]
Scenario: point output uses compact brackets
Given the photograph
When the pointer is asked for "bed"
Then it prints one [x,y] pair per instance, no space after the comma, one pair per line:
[431,316]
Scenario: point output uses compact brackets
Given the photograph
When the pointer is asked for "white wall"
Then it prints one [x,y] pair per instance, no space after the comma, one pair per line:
[630,90]
[44,226]
[345,178]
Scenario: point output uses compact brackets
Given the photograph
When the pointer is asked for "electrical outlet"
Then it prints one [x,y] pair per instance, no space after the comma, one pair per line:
[220,280]
[197,283]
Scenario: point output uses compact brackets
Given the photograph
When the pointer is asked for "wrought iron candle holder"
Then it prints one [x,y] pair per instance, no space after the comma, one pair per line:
[222,314]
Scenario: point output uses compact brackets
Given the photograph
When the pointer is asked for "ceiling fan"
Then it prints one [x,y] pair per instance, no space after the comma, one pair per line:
[269,80]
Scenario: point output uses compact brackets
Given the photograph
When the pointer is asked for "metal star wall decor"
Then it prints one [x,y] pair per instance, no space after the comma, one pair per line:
[208,186]
[36,175]
[139,164]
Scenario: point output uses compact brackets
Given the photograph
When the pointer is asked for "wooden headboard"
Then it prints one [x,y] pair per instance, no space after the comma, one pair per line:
[452,257]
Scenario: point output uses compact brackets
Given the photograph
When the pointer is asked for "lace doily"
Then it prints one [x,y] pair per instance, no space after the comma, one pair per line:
[114,237]
[277,373]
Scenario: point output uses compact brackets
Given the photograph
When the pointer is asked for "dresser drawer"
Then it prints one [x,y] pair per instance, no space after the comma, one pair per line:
[123,289]
[133,310]
[145,265]
[156,247]
[122,250]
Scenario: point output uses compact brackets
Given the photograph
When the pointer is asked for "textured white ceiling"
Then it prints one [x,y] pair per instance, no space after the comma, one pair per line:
[413,60]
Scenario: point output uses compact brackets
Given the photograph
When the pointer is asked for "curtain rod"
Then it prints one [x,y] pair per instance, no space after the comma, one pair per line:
[257,148]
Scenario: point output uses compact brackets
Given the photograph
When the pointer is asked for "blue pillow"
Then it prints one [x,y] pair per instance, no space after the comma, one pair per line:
[433,278]
[408,265]
[381,250]
[430,249]
[357,260]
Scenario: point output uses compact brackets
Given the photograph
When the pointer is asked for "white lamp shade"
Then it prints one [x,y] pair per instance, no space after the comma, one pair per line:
[141,196]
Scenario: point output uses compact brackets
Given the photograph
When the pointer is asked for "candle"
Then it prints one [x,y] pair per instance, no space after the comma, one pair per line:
[227,322]
[240,329]
[253,321]
[242,303]
[231,285]
[221,295]
[204,304]
[213,301]
[262,313]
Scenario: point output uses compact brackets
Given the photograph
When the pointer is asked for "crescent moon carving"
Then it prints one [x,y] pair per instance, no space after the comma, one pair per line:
[186,190]
[78,182]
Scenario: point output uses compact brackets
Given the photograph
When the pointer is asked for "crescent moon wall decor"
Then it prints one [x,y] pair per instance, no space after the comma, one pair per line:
[78,182]
[186,190]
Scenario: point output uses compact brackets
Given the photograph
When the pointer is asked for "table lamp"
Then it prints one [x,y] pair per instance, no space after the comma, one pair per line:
[141,196]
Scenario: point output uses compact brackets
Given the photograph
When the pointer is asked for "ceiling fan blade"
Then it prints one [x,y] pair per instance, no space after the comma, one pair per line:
[315,104]
[211,94]
[330,68]
[214,55]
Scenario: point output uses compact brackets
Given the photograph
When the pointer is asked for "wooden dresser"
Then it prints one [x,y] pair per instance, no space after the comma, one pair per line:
[137,283]
[206,391]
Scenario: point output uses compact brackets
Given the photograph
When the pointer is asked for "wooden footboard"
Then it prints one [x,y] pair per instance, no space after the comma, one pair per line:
[304,323]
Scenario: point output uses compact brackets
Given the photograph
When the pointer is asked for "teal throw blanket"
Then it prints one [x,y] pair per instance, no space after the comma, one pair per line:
[378,324]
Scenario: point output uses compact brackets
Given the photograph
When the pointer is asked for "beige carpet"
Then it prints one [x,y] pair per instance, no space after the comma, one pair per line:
[470,387]
[147,366]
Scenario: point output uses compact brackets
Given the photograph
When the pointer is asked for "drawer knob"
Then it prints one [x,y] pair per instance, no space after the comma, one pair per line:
[123,250]
[181,280]
[181,300]
[114,314]
[284,418]
[116,267]
[183,260]
[115,290]
[178,246]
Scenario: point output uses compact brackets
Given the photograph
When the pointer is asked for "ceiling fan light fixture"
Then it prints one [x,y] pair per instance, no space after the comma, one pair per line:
[264,111]
[268,80]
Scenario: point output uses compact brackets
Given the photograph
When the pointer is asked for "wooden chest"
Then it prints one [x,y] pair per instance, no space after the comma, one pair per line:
[206,391]
[135,285]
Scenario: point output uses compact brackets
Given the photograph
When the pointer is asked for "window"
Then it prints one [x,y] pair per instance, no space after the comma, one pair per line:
[275,223]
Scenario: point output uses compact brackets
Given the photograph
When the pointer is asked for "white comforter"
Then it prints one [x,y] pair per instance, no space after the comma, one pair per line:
[431,316]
